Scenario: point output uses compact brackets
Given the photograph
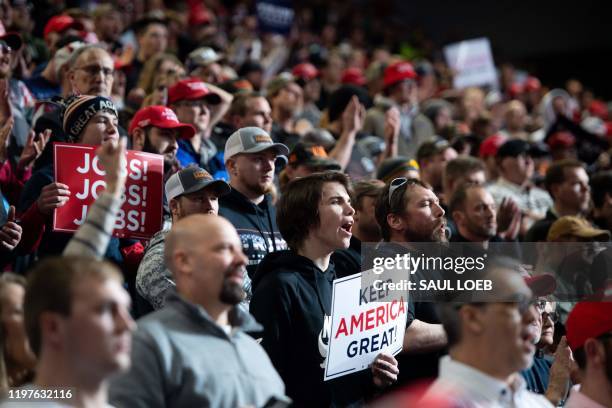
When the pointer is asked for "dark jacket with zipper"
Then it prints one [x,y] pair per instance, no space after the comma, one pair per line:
[292,299]
[256,226]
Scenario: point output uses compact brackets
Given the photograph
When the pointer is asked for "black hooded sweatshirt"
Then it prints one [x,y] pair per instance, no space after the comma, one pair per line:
[256,226]
[292,299]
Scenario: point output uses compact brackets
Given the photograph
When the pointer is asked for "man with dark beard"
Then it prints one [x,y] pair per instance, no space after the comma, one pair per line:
[409,215]
[589,326]
[155,129]
[250,156]
[194,352]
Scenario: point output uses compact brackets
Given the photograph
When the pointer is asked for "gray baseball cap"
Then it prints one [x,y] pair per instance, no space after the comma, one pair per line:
[203,56]
[192,179]
[251,140]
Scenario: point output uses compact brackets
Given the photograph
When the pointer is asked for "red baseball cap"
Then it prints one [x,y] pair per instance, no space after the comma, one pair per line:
[561,139]
[160,117]
[200,16]
[305,71]
[190,89]
[489,146]
[59,24]
[515,90]
[399,71]
[588,320]
[541,285]
[353,76]
[598,108]
[532,84]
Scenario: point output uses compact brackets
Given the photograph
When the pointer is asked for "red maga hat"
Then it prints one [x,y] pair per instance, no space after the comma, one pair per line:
[305,71]
[160,117]
[59,24]
[397,72]
[588,320]
[490,145]
[191,89]
[353,76]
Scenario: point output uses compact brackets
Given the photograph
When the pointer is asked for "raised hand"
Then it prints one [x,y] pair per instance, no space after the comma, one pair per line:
[353,116]
[5,134]
[112,158]
[507,212]
[6,110]
[33,148]
[392,130]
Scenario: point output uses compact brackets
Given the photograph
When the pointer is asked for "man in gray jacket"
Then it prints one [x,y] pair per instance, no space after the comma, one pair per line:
[189,191]
[194,352]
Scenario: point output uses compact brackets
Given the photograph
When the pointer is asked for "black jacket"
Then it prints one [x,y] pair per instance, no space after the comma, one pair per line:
[256,225]
[292,299]
[348,261]
[539,230]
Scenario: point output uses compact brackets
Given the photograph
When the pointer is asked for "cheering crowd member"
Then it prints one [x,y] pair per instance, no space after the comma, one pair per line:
[250,157]
[292,293]
[408,212]
[191,190]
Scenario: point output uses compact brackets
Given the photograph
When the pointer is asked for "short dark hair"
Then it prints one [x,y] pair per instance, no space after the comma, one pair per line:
[580,354]
[239,106]
[298,209]
[457,201]
[601,184]
[141,26]
[461,166]
[50,289]
[365,188]
[396,206]
[556,172]
[580,357]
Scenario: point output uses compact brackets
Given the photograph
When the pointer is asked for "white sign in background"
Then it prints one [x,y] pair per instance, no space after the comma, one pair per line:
[365,322]
[472,63]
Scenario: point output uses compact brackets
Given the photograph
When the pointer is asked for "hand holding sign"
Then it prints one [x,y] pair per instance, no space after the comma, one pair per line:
[384,369]
[53,196]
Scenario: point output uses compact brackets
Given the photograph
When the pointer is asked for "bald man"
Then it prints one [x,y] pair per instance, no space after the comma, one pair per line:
[194,351]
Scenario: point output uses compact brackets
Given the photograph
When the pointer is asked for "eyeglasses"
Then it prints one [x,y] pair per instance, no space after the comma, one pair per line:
[397,183]
[553,316]
[540,304]
[96,69]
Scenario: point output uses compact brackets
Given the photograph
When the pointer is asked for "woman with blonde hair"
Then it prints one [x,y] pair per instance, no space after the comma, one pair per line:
[159,73]
[160,64]
[18,361]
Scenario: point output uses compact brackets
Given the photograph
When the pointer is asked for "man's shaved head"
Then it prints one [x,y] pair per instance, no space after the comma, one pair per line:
[204,254]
